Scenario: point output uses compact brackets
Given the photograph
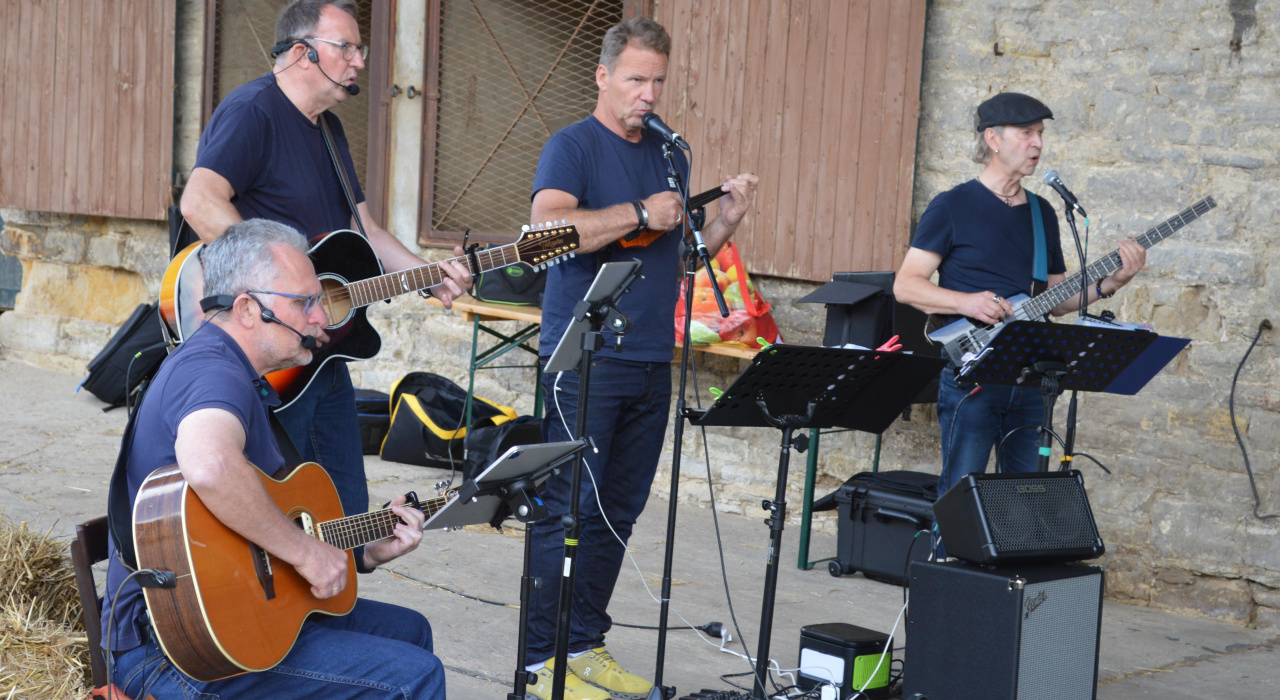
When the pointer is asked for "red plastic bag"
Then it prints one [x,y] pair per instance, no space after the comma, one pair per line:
[749,318]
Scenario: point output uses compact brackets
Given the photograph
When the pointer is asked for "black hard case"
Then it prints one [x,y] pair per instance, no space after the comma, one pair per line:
[879,516]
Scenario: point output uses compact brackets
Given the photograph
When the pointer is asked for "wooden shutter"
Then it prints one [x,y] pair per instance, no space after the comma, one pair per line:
[821,99]
[86,106]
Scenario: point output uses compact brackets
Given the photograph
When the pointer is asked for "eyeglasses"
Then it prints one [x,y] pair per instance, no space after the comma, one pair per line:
[306,309]
[348,49]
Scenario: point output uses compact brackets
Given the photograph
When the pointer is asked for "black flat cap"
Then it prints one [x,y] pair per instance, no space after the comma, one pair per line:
[1011,109]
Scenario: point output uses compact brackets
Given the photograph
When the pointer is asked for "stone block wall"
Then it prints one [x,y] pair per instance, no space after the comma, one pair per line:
[1157,105]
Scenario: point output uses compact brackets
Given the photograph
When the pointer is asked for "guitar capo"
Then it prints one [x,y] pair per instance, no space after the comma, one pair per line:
[470,252]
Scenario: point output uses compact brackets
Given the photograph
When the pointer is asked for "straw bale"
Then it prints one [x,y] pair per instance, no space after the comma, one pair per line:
[44,652]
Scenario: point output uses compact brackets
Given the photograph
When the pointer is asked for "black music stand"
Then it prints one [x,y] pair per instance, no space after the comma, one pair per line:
[794,386]
[508,487]
[1063,357]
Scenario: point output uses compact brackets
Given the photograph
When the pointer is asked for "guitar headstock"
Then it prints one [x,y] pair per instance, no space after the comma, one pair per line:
[545,244]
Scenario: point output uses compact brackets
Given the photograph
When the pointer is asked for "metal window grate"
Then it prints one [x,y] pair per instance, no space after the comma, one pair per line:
[511,73]
[242,36]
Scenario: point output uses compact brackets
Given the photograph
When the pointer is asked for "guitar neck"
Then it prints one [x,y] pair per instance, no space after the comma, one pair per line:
[1046,302]
[393,284]
[356,530]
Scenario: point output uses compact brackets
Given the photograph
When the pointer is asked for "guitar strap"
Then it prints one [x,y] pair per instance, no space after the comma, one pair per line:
[342,173]
[1040,268]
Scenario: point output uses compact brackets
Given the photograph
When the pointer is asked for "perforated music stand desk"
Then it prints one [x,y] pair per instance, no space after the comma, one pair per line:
[796,386]
[858,389]
[1095,357]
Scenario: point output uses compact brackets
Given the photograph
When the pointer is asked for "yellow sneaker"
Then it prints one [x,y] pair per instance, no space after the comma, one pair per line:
[575,688]
[598,668]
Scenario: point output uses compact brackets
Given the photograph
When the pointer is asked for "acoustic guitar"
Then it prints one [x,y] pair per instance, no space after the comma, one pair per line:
[235,608]
[351,279]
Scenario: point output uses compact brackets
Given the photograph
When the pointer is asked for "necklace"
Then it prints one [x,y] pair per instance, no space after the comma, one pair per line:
[1007,198]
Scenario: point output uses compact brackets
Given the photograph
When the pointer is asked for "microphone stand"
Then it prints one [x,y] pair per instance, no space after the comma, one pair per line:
[1069,438]
[696,219]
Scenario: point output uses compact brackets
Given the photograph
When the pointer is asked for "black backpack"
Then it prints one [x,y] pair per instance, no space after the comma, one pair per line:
[517,285]
[118,372]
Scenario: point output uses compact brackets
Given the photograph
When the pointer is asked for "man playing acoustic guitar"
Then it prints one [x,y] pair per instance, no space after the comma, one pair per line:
[207,411]
[263,155]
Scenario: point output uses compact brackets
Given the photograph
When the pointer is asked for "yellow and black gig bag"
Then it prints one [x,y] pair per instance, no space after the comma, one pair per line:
[428,421]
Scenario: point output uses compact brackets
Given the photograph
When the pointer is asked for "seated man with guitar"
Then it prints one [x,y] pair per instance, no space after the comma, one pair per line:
[264,155]
[981,239]
[242,574]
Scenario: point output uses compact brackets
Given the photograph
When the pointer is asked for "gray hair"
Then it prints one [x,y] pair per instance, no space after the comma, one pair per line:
[649,33]
[981,149]
[299,18]
[242,258]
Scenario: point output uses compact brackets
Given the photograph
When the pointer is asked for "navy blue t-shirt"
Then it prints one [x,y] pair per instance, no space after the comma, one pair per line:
[276,160]
[207,371]
[601,169]
[985,244]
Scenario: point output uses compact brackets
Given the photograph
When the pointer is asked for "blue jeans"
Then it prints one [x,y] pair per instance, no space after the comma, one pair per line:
[973,425]
[323,425]
[379,650]
[627,409]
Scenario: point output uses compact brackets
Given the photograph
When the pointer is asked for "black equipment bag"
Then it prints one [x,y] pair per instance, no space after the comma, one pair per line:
[517,285]
[373,409]
[130,358]
[880,514]
[428,424]
[485,445]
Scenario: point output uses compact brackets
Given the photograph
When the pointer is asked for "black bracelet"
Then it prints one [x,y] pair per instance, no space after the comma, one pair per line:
[642,215]
[1098,287]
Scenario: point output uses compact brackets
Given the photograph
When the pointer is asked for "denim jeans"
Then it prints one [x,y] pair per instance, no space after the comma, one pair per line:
[325,430]
[973,425]
[379,650]
[627,409]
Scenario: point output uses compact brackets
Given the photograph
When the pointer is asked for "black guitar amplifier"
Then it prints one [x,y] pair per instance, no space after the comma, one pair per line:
[1016,632]
[1000,518]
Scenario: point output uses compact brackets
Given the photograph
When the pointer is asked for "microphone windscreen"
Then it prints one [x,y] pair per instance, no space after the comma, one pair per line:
[353,89]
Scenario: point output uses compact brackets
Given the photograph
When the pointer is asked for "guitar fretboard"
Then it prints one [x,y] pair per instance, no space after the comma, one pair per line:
[1046,302]
[375,289]
[355,530]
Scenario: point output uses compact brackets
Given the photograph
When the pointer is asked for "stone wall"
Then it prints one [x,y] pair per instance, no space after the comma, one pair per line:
[1151,115]
[1157,104]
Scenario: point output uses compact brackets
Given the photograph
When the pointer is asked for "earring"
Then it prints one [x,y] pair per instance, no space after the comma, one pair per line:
[997,150]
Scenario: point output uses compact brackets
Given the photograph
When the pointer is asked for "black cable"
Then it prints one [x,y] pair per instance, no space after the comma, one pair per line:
[1035,426]
[1231,404]
[111,620]
[715,519]
[906,566]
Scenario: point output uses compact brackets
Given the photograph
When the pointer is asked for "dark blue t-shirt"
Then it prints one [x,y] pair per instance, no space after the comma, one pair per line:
[601,169]
[276,160]
[985,244]
[207,371]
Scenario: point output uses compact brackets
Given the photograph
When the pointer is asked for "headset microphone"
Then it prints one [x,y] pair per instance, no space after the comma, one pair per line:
[308,341]
[314,57]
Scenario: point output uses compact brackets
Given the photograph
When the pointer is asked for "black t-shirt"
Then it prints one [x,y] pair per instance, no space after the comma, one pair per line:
[601,169]
[985,244]
[276,160]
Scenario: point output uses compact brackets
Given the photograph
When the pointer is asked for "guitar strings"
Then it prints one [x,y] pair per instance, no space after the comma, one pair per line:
[376,287]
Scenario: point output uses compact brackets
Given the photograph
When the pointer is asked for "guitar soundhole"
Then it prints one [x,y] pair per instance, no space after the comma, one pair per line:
[336,301]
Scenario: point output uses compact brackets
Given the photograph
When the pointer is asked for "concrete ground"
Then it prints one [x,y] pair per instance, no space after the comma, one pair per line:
[57,449]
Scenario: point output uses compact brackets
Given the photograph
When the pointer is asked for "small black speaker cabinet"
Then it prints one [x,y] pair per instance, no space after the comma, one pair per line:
[1017,632]
[1003,518]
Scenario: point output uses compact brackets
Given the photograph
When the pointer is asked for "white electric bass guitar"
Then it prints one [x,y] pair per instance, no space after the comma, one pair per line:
[963,339]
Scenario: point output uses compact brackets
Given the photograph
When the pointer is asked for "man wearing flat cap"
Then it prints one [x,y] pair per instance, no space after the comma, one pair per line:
[980,237]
